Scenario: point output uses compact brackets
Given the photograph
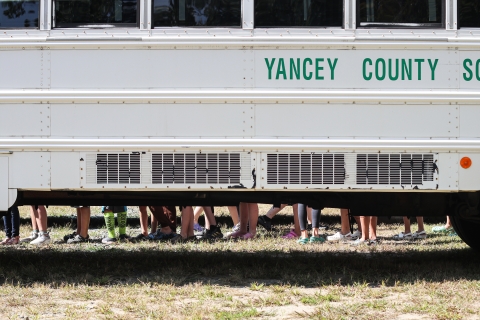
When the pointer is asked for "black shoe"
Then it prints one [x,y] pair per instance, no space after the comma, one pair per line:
[265,222]
[214,233]
[77,239]
[140,237]
[124,237]
[69,236]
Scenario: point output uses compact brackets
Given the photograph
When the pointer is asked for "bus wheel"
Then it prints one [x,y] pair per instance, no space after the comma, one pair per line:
[467,230]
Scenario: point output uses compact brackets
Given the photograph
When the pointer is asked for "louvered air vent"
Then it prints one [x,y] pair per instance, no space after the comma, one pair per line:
[394,169]
[118,168]
[316,168]
[196,168]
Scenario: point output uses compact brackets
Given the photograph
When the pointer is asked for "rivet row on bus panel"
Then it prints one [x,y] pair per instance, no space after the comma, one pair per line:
[367,17]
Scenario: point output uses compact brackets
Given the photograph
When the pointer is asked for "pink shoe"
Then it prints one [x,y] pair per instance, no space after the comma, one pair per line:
[247,236]
[5,241]
[290,235]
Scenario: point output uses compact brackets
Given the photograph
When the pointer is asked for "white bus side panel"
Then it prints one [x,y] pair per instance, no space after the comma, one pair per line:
[65,170]
[469,121]
[30,170]
[23,120]
[356,120]
[4,183]
[469,179]
[149,69]
[152,120]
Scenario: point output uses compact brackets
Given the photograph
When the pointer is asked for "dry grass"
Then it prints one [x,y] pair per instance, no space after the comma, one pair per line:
[269,277]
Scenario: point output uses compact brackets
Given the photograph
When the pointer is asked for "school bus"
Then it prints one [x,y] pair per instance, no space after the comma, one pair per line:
[371,105]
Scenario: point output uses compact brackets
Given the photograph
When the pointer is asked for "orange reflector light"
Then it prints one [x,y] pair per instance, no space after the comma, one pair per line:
[465,162]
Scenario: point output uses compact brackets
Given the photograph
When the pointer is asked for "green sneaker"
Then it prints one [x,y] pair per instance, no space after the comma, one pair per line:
[316,239]
[442,229]
[302,241]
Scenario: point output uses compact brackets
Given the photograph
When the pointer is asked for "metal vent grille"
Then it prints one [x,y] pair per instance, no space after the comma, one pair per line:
[118,168]
[196,168]
[315,168]
[394,169]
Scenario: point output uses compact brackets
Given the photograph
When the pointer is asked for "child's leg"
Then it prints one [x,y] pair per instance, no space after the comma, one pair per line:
[373,228]
[420,224]
[187,222]
[33,219]
[448,225]
[252,217]
[79,221]
[210,221]
[197,213]
[296,222]
[7,222]
[122,222]
[273,211]
[315,221]
[41,218]
[153,224]
[359,224]
[309,215]
[365,222]
[234,214]
[344,221]
[144,220]
[85,221]
[110,223]
[243,218]
[406,222]
[302,219]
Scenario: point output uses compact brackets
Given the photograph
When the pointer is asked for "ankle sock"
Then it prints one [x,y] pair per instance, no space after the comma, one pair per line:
[122,222]
[110,223]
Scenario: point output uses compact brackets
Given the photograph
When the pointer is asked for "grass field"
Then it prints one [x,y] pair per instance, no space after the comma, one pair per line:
[269,277]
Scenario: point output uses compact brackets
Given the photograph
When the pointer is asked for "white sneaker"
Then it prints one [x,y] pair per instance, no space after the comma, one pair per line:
[33,236]
[356,235]
[43,239]
[404,236]
[340,237]
[419,235]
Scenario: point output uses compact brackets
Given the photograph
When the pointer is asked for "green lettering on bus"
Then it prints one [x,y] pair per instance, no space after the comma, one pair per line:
[433,67]
[377,74]
[419,63]
[477,70]
[318,68]
[467,63]
[365,61]
[332,67]
[305,69]
[407,70]
[269,67]
[390,76]
[295,68]
[281,69]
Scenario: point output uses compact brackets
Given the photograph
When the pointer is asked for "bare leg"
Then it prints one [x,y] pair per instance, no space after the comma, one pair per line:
[144,219]
[420,224]
[406,222]
[154,224]
[234,214]
[187,222]
[209,217]
[34,220]
[296,223]
[357,220]
[253,217]
[365,222]
[309,215]
[448,225]
[344,221]
[196,214]
[373,228]
[79,221]
[85,221]
[41,218]
[243,218]
[273,211]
